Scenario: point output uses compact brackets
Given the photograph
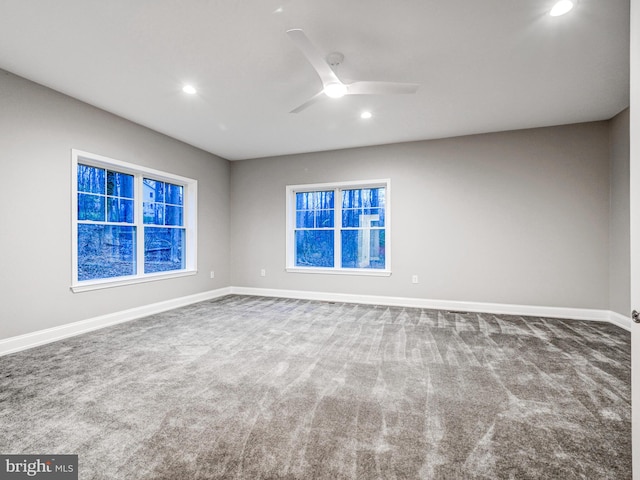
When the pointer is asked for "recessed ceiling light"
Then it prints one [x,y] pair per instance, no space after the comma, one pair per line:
[335,90]
[189,89]
[366,115]
[562,7]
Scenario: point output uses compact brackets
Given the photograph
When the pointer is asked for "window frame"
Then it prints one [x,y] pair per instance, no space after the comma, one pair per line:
[139,172]
[337,187]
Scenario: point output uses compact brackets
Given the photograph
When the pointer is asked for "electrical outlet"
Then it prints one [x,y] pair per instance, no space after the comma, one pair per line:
[263,273]
[414,279]
[212,274]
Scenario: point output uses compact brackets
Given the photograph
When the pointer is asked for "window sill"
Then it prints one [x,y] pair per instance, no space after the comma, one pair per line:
[100,284]
[334,271]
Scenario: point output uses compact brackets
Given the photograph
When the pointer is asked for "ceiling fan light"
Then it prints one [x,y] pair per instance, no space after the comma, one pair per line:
[335,90]
[562,7]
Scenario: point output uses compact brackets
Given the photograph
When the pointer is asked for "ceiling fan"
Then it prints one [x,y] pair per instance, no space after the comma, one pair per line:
[331,85]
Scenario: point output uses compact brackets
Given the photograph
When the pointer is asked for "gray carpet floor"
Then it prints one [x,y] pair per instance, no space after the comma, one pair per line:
[261,388]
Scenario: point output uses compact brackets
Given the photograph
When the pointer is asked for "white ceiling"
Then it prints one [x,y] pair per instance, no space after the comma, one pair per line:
[482,66]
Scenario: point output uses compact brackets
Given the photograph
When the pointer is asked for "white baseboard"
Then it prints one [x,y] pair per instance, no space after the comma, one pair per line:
[620,320]
[496,308]
[41,337]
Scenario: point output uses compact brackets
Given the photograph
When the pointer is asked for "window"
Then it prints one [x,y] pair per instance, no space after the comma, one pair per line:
[339,228]
[130,223]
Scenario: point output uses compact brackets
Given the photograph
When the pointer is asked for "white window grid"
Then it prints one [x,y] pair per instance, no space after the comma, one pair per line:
[139,172]
[337,188]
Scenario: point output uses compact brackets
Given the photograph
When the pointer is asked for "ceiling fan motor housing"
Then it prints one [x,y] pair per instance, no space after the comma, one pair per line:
[335,58]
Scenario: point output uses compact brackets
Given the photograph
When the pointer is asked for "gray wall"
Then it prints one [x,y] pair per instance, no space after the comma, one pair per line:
[619,240]
[38,129]
[532,217]
[516,217]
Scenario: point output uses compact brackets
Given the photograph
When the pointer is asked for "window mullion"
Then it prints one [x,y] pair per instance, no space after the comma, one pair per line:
[337,226]
[139,218]
[106,197]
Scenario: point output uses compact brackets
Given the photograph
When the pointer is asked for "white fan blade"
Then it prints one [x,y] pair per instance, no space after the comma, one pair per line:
[314,56]
[311,101]
[380,88]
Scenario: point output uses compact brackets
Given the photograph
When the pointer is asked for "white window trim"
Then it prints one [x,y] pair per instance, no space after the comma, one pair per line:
[291,190]
[190,221]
